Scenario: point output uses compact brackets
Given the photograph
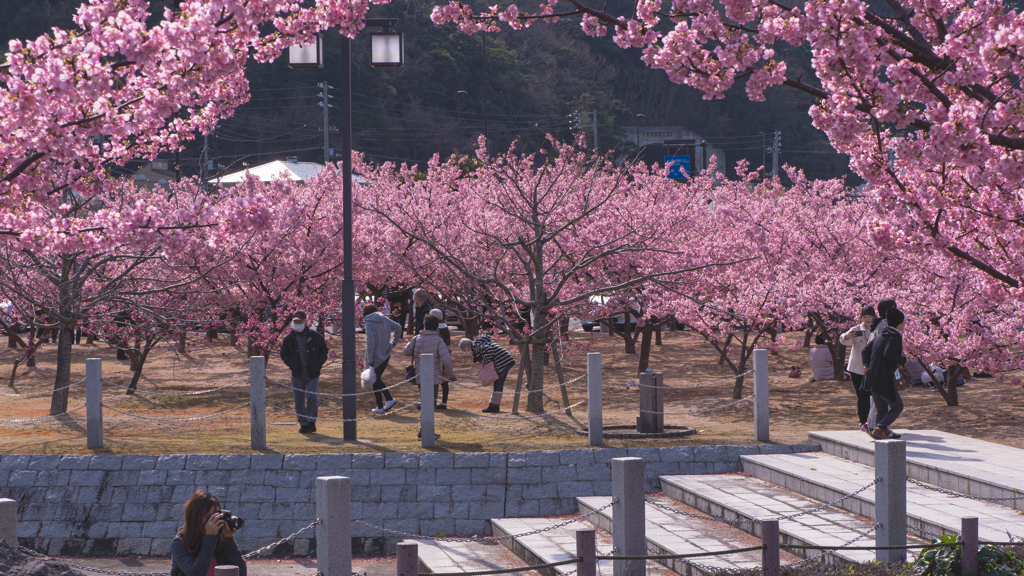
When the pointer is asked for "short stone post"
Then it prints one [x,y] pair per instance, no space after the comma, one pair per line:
[334,533]
[94,403]
[425,376]
[9,522]
[258,402]
[761,395]
[652,398]
[891,499]
[595,418]
[969,547]
[586,550]
[629,524]
[408,559]
[226,571]
[770,563]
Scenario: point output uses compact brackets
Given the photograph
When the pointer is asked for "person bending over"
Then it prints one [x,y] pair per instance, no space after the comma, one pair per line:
[205,541]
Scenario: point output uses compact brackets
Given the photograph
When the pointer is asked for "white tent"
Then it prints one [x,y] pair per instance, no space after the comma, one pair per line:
[288,169]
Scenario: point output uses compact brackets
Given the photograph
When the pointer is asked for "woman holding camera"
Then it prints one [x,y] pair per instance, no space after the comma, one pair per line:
[206,540]
[857,338]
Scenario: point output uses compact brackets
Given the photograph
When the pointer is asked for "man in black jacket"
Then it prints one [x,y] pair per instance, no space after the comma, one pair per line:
[304,351]
[883,357]
[420,308]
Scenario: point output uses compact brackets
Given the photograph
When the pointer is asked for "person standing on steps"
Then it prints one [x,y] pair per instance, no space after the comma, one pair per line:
[885,356]
[304,352]
[379,343]
[857,338]
[487,352]
[429,342]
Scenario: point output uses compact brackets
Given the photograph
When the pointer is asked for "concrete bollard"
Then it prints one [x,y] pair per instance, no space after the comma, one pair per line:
[258,402]
[761,395]
[334,533]
[225,571]
[891,499]
[9,522]
[969,547]
[629,524]
[586,550]
[425,376]
[595,417]
[770,563]
[94,403]
[408,559]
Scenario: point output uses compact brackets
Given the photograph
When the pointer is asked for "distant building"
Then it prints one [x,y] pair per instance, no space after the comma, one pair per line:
[657,142]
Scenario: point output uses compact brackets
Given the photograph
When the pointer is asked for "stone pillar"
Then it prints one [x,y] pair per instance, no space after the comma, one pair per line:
[770,564]
[9,522]
[891,499]
[258,402]
[761,395]
[629,536]
[586,550]
[595,417]
[94,403]
[652,402]
[408,559]
[334,533]
[425,376]
[969,548]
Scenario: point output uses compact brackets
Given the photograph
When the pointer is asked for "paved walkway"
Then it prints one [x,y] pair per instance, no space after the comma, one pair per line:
[260,567]
[446,557]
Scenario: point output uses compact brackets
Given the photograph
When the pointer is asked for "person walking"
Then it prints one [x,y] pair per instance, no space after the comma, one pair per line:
[884,357]
[429,342]
[304,352]
[487,352]
[379,343]
[420,309]
[856,338]
[446,335]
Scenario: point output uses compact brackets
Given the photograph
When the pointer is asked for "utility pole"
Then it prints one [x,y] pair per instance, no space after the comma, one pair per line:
[327,141]
[594,113]
[775,153]
[205,158]
[484,37]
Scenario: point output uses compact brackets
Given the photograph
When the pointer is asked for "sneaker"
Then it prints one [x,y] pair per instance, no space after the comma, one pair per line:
[417,405]
[892,435]
[492,409]
[390,404]
[879,434]
[378,410]
[441,406]
[865,428]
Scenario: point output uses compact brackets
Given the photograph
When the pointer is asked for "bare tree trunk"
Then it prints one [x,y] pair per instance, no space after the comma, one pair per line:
[535,400]
[472,326]
[657,332]
[807,338]
[89,339]
[211,334]
[524,359]
[561,377]
[645,345]
[31,361]
[181,342]
[950,394]
[627,332]
[137,370]
[12,337]
[724,353]
[59,402]
[839,362]
[14,370]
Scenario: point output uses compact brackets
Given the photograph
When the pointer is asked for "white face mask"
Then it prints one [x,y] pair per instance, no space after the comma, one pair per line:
[298,327]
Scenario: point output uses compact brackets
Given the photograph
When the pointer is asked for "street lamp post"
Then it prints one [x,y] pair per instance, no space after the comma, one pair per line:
[387,50]
[639,117]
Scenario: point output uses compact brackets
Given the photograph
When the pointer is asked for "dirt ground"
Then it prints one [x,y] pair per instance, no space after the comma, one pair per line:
[990,410]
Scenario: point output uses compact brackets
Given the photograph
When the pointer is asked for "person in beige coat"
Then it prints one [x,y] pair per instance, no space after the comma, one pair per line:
[428,341]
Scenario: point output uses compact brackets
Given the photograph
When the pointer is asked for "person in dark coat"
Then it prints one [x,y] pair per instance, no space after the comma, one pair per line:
[877,325]
[420,308]
[883,358]
[304,352]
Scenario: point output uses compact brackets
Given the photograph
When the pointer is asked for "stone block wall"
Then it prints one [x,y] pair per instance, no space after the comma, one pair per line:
[107,505]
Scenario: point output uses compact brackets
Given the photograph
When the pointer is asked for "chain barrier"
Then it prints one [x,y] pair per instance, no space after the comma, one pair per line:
[192,419]
[259,551]
[729,379]
[488,391]
[961,495]
[43,393]
[505,570]
[321,418]
[627,382]
[49,417]
[520,416]
[680,556]
[744,399]
[325,394]
[199,393]
[831,551]
[31,552]
[485,538]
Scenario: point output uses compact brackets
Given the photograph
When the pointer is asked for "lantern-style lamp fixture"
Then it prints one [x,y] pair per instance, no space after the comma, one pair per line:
[307,55]
[387,47]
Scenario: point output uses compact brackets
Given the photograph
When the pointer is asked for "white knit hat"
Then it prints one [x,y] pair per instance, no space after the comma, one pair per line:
[465,342]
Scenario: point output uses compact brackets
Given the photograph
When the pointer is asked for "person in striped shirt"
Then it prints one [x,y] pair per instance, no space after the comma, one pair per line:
[485,351]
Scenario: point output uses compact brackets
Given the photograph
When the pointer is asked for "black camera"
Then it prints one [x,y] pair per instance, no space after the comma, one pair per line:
[233,522]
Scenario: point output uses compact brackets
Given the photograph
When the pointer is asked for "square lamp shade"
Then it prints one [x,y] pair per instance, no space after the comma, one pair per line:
[387,50]
[307,55]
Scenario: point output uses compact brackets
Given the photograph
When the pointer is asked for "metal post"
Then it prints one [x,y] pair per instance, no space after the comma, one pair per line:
[258,402]
[761,395]
[348,287]
[425,375]
[586,550]
[226,571]
[770,565]
[334,533]
[327,141]
[9,522]
[408,559]
[891,499]
[775,152]
[483,36]
[595,130]
[629,536]
[595,419]
[969,547]
[94,403]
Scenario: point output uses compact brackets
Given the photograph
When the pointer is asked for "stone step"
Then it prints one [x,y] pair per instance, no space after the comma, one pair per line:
[446,557]
[669,533]
[557,545]
[826,478]
[949,461]
[737,497]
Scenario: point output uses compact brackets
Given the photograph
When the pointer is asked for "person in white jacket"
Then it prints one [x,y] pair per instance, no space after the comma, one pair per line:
[856,338]
[382,333]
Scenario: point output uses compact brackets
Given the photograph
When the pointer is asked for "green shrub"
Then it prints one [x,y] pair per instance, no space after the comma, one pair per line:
[942,561]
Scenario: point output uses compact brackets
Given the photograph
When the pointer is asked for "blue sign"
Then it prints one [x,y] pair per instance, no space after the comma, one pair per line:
[678,167]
